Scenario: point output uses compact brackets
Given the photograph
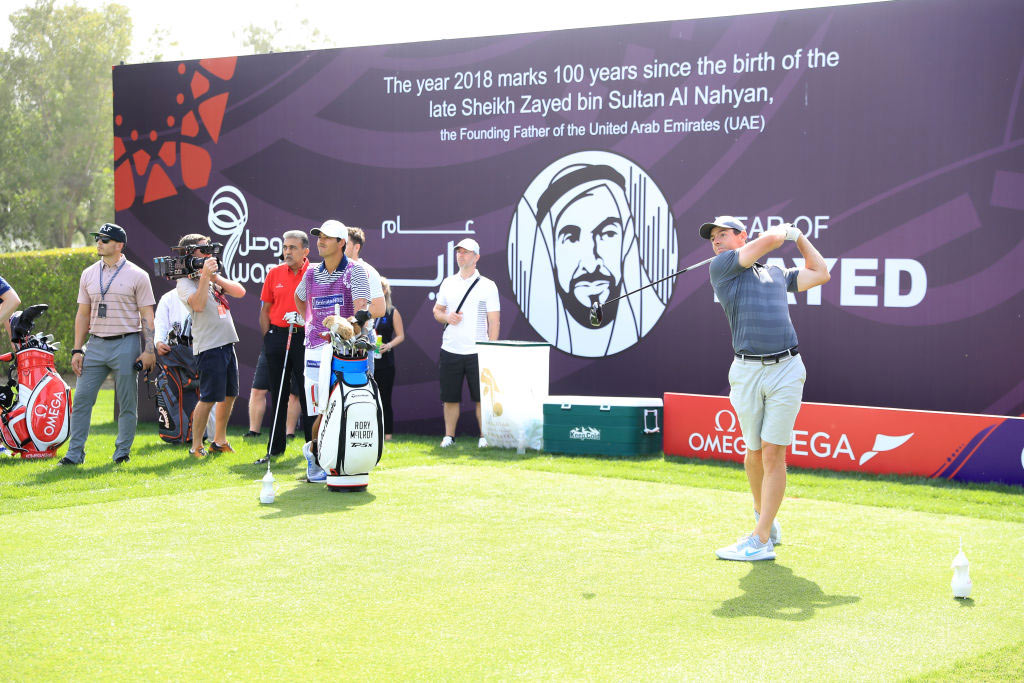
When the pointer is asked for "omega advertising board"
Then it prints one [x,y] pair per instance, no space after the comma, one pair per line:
[980,448]
[584,161]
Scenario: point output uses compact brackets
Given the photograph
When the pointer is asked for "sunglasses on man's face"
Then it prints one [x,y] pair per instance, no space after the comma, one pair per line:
[105,240]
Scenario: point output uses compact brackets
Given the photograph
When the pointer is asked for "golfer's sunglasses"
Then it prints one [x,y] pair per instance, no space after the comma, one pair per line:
[103,239]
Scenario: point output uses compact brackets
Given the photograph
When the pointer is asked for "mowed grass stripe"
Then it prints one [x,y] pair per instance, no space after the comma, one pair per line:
[495,572]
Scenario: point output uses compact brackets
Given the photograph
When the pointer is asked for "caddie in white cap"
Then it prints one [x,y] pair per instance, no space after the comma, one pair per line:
[467,305]
[331,228]
[335,286]
[767,374]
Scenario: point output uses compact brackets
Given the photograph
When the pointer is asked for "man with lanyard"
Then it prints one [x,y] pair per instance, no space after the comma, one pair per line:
[467,304]
[115,303]
[336,284]
[767,375]
[277,310]
[353,252]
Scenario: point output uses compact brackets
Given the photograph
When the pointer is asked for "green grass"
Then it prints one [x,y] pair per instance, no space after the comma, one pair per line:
[487,564]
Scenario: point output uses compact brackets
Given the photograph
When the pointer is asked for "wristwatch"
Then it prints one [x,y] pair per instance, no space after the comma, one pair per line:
[74,351]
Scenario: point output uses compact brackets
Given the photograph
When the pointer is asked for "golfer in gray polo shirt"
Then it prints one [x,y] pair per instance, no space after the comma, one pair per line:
[767,375]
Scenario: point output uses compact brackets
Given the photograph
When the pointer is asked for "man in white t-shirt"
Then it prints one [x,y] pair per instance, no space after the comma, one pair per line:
[169,311]
[354,251]
[467,304]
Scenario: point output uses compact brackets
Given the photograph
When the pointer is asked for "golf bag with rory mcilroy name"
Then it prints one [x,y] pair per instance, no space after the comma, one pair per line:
[350,441]
[35,402]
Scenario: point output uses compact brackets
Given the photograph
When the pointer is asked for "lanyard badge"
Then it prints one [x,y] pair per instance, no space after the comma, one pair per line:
[101,308]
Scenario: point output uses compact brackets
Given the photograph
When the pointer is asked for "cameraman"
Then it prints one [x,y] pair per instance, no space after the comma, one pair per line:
[213,342]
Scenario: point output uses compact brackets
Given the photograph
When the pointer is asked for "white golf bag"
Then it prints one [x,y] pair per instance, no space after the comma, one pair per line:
[350,441]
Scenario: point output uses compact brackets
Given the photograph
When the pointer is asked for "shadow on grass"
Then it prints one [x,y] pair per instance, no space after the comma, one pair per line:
[247,471]
[948,484]
[139,464]
[313,499]
[773,591]
[509,455]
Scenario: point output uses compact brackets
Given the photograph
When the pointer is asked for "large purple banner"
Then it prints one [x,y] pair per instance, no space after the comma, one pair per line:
[584,161]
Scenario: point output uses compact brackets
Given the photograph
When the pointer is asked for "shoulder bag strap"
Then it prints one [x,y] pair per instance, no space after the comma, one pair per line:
[466,296]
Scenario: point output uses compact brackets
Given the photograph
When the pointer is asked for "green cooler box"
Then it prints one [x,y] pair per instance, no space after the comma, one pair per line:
[602,425]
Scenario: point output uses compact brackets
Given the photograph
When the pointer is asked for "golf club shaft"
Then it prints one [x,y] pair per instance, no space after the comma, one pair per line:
[651,284]
[280,390]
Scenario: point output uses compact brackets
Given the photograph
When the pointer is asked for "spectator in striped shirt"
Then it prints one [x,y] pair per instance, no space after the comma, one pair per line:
[115,312]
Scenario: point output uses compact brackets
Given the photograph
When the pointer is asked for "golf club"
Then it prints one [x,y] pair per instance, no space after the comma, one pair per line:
[280,393]
[596,312]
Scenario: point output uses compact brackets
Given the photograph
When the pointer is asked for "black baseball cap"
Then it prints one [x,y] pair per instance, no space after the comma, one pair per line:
[112,231]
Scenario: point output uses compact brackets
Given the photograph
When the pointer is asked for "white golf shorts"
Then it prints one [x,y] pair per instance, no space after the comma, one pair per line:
[311,377]
[766,399]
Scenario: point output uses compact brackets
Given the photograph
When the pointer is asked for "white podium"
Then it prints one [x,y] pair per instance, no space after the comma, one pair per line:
[513,388]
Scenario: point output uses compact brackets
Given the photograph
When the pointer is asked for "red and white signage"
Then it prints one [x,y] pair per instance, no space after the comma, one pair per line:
[988,448]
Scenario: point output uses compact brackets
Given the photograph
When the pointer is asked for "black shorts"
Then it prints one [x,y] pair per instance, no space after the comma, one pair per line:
[261,378]
[218,374]
[453,367]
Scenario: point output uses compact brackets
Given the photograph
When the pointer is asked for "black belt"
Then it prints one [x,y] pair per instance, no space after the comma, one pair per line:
[771,357]
[277,328]
[116,336]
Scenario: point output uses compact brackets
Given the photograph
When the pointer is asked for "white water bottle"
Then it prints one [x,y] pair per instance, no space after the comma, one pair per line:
[961,583]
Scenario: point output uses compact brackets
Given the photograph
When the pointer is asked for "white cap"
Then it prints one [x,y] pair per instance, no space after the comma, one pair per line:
[469,244]
[331,228]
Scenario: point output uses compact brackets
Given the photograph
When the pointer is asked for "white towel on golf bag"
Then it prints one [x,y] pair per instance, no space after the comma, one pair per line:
[350,440]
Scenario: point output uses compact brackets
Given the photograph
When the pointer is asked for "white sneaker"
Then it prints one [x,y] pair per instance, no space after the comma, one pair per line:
[314,473]
[775,535]
[482,443]
[748,549]
[447,442]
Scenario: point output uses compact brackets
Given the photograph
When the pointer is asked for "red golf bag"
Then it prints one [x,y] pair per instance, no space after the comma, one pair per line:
[35,404]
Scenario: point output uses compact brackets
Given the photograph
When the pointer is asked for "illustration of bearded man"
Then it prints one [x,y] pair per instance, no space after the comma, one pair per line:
[585,228]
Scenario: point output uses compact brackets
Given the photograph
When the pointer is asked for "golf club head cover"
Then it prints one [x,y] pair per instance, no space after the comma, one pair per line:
[362,317]
[22,321]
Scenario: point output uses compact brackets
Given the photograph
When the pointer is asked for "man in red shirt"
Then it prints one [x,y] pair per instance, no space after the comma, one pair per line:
[278,300]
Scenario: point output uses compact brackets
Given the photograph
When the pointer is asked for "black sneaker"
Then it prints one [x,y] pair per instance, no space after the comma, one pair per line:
[267,458]
[250,435]
[121,459]
[66,461]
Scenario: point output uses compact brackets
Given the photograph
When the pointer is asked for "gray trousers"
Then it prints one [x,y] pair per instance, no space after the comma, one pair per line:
[103,356]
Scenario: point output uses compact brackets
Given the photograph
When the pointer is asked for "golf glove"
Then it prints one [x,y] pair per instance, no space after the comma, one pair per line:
[293,318]
[787,230]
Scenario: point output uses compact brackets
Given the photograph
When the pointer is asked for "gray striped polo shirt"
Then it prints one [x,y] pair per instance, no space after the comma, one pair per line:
[755,304]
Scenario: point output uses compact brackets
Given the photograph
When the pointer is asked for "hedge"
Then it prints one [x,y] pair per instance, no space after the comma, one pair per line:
[49,277]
